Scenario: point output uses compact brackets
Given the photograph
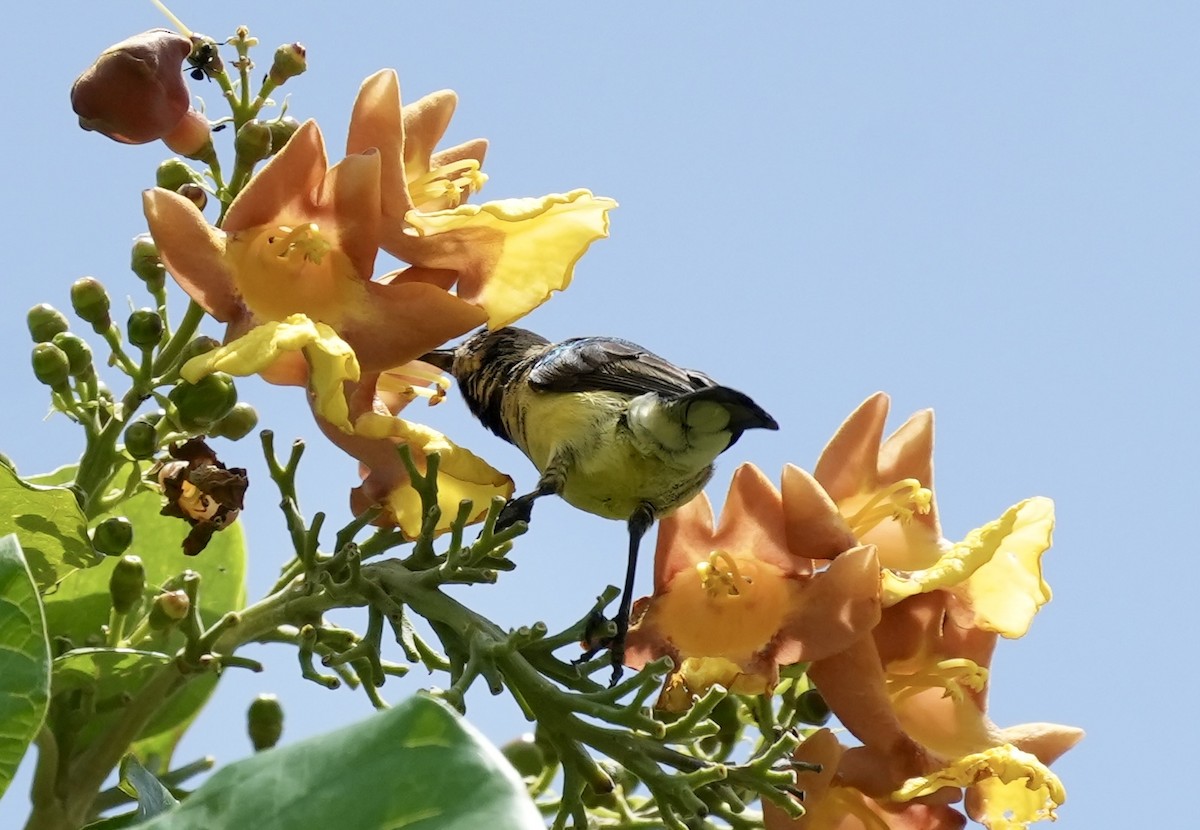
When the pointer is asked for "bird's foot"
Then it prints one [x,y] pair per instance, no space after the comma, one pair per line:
[597,639]
[516,510]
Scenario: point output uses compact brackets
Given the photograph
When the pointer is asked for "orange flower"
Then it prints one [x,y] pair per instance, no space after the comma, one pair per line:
[833,803]
[731,604]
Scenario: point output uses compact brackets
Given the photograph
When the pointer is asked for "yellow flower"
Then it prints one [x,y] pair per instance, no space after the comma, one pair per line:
[831,802]
[731,605]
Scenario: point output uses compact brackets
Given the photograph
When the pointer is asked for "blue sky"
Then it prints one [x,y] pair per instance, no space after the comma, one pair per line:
[988,209]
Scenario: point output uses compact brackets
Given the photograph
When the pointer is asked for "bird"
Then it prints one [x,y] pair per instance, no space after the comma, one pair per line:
[612,428]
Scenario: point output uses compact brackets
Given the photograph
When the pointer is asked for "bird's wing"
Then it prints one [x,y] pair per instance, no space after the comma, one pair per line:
[606,364]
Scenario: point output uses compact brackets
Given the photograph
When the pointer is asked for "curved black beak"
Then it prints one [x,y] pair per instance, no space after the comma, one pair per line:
[440,358]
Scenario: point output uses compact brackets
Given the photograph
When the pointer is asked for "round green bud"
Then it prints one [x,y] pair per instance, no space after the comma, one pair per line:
[45,321]
[113,536]
[812,708]
[145,328]
[78,352]
[141,437]
[175,172]
[282,129]
[202,404]
[195,194]
[237,424]
[253,141]
[90,301]
[264,722]
[50,365]
[169,608]
[289,62]
[196,347]
[144,261]
[127,583]
[525,755]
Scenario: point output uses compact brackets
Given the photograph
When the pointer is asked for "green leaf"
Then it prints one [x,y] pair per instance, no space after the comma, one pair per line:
[153,798]
[50,525]
[24,660]
[79,608]
[105,672]
[418,766]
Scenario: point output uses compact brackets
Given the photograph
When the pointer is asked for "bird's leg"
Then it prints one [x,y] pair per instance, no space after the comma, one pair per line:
[520,509]
[639,523]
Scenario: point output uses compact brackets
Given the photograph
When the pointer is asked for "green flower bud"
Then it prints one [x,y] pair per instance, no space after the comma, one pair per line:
[126,584]
[173,173]
[78,352]
[90,301]
[145,328]
[45,321]
[812,708]
[282,129]
[144,262]
[264,722]
[141,436]
[196,347]
[169,608]
[50,365]
[237,424]
[202,404]
[195,194]
[113,536]
[525,755]
[289,62]
[253,141]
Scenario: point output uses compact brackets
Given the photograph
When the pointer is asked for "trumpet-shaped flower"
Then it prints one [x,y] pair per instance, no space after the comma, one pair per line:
[833,803]
[731,604]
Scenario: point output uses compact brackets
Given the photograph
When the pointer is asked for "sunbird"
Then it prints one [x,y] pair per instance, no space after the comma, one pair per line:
[612,428]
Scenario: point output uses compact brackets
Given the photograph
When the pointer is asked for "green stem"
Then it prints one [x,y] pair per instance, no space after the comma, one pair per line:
[181,337]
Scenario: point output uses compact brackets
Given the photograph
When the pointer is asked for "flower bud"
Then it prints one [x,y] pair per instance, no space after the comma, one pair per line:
[145,263]
[195,194]
[202,404]
[812,708]
[264,722]
[145,328]
[45,321]
[192,137]
[196,347]
[90,301]
[79,354]
[169,608]
[135,91]
[141,436]
[237,424]
[113,536]
[50,365]
[126,584]
[289,62]
[174,172]
[525,755]
[282,129]
[253,141]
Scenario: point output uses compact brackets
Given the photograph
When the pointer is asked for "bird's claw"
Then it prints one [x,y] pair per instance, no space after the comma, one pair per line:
[516,510]
[596,639]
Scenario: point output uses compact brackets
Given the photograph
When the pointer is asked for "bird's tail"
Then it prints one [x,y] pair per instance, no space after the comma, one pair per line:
[742,412]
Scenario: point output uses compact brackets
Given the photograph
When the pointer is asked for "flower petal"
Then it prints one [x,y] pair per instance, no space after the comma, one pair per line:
[752,520]
[377,122]
[193,252]
[281,193]
[849,463]
[685,537]
[511,254]
[835,608]
[814,527]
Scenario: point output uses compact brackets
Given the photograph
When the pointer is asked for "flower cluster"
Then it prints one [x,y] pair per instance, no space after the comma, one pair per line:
[289,266]
[846,570]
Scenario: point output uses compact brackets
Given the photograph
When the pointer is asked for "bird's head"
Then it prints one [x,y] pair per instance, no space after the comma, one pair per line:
[487,351]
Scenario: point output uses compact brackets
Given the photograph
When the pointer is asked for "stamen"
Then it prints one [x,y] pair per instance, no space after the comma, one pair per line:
[194,502]
[304,241]
[450,181]
[901,501]
[720,574]
[955,675]
[183,30]
[416,380]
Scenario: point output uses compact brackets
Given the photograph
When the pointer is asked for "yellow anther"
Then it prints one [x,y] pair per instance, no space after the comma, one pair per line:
[450,181]
[305,241]
[901,501]
[195,503]
[416,380]
[956,676]
[720,575]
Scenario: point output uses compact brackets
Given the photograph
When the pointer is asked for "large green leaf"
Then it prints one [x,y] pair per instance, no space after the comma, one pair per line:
[24,660]
[80,607]
[50,525]
[418,766]
[152,797]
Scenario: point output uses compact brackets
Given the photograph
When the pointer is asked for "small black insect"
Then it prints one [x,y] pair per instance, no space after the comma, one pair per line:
[205,60]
